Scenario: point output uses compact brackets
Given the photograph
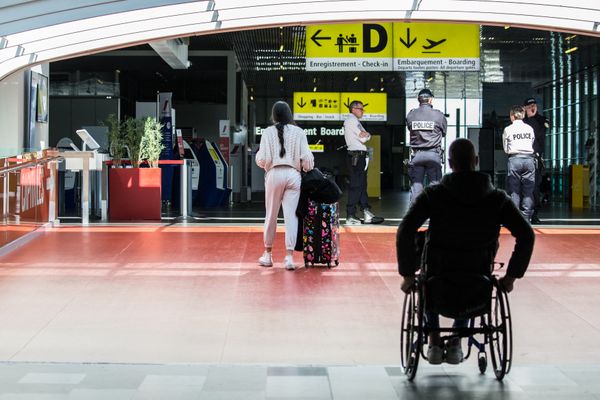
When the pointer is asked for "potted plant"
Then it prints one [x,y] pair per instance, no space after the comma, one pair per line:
[135,193]
[151,144]
[115,140]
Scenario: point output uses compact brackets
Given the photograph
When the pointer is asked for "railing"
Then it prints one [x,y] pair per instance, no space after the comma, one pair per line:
[29,193]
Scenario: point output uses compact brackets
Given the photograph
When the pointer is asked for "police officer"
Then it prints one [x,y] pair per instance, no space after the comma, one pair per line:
[356,136]
[518,139]
[540,125]
[427,127]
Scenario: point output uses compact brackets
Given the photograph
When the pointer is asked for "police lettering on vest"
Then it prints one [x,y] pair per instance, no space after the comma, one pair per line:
[520,136]
[423,125]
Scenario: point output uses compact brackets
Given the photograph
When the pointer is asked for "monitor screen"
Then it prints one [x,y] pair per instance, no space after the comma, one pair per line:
[89,141]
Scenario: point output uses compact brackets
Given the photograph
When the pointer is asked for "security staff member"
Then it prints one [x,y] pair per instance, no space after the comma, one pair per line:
[356,136]
[427,127]
[518,139]
[540,125]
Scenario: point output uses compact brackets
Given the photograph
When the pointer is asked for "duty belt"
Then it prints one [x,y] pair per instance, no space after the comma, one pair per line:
[359,152]
[521,155]
[425,148]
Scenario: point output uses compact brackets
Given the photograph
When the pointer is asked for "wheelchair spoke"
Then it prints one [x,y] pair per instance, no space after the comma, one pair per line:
[500,337]
[410,334]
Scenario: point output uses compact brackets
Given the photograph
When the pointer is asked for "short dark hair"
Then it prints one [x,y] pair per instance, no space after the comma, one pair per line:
[424,95]
[462,154]
[354,104]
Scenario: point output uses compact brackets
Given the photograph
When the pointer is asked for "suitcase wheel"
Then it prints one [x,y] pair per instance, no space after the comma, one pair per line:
[337,262]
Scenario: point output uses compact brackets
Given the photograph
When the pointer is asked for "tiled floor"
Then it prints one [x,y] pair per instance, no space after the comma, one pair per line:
[183,311]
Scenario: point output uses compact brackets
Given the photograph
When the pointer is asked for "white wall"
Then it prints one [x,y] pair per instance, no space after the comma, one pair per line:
[14,114]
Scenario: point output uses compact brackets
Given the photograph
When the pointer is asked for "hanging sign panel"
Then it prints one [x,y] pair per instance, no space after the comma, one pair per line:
[436,47]
[393,46]
[317,106]
[333,106]
[374,104]
[349,47]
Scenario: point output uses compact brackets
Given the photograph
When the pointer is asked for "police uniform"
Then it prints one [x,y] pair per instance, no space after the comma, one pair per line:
[518,139]
[427,127]
[540,125]
[357,163]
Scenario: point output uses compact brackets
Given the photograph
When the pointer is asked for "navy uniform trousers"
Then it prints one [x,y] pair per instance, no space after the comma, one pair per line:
[520,182]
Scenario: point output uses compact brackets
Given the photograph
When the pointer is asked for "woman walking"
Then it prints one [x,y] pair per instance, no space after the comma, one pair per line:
[283,153]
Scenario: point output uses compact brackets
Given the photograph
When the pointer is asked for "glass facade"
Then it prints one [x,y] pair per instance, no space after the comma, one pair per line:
[570,101]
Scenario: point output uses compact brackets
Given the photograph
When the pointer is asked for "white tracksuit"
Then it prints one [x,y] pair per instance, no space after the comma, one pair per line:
[282,188]
[282,179]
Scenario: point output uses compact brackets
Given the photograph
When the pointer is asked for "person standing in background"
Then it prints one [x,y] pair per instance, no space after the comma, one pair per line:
[356,136]
[427,127]
[540,125]
[517,140]
[282,154]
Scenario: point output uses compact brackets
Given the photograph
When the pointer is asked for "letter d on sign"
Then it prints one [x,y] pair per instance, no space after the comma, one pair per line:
[368,46]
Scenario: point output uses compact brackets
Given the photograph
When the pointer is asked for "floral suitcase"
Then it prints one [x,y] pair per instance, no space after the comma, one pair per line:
[320,236]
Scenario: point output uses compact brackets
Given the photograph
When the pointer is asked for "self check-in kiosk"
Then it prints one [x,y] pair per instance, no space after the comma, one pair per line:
[213,186]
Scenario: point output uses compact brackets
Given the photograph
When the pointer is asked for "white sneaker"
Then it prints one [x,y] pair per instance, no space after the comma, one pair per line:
[353,221]
[454,354]
[288,263]
[265,260]
[435,355]
[368,216]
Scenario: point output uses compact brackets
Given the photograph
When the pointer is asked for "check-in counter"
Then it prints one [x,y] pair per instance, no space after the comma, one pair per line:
[86,161]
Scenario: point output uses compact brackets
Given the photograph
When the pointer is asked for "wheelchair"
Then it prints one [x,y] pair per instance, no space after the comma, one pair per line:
[477,297]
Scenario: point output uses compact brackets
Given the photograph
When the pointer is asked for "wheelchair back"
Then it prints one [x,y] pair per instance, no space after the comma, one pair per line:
[458,283]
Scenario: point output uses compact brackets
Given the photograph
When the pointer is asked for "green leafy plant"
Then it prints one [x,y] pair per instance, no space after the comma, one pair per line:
[142,137]
[151,143]
[115,139]
[133,131]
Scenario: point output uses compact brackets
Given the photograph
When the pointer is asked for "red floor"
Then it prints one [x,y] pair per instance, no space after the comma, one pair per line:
[158,293]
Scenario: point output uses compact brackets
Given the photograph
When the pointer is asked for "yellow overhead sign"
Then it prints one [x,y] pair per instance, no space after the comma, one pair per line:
[374,104]
[349,47]
[317,106]
[316,148]
[436,47]
[393,46]
[333,106]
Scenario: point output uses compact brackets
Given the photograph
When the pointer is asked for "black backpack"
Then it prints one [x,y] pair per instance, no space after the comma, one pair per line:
[320,187]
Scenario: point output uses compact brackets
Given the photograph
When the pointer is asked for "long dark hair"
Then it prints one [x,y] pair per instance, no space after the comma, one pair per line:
[282,115]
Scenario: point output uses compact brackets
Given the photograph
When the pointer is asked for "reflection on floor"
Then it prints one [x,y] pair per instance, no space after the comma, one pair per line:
[35,381]
[183,311]
[392,206]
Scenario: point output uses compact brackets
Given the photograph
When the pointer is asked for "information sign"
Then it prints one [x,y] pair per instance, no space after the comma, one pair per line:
[349,47]
[374,104]
[436,47]
[317,106]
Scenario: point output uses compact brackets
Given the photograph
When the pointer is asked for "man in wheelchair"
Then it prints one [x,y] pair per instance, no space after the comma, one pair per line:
[465,214]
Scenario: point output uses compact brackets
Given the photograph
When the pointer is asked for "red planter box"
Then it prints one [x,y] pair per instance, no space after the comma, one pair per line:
[134,193]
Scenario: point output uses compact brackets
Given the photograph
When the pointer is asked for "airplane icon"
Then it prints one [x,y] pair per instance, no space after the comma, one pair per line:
[433,43]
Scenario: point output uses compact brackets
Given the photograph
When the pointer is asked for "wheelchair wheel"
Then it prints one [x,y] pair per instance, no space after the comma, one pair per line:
[411,339]
[482,362]
[500,337]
